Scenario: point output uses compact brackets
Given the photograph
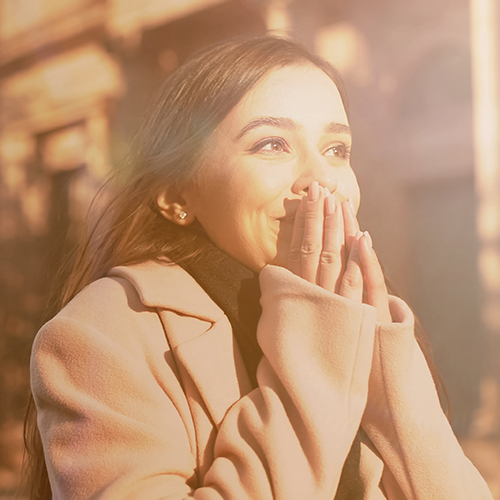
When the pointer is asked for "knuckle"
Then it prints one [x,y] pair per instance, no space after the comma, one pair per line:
[294,254]
[351,280]
[310,248]
[328,257]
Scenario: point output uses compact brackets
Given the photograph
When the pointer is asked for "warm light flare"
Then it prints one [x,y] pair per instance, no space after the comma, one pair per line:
[485,48]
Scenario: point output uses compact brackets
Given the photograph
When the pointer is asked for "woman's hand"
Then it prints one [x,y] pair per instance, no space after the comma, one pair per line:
[328,249]
[375,290]
[318,243]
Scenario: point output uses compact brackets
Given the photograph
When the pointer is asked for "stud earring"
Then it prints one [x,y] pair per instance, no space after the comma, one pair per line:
[182,215]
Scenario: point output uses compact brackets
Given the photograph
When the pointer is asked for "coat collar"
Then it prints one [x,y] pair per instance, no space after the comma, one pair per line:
[210,354]
[165,285]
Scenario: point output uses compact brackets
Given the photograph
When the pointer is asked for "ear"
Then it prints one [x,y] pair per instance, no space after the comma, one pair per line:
[175,211]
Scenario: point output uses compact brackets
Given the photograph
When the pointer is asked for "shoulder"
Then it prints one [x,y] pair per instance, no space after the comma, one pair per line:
[102,298]
[124,305]
[108,311]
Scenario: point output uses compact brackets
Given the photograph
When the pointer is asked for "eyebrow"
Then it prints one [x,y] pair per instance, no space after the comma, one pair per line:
[338,128]
[270,121]
[288,124]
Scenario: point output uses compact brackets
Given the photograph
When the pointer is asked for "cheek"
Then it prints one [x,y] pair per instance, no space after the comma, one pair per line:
[352,188]
[238,203]
[255,196]
[356,196]
[232,211]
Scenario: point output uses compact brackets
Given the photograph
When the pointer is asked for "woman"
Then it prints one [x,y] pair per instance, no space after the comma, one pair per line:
[237,339]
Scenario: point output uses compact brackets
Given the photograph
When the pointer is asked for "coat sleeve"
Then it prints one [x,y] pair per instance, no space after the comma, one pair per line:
[112,428]
[404,420]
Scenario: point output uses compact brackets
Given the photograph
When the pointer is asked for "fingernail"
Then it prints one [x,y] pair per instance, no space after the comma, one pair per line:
[330,205]
[358,235]
[313,192]
[368,239]
[327,191]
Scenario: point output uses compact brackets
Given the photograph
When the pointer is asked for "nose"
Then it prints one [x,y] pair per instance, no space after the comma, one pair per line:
[314,167]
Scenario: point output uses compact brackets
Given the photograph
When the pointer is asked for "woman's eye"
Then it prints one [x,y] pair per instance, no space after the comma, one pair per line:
[338,151]
[270,146]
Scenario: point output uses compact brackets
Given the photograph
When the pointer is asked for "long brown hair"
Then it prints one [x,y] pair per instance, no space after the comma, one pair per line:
[164,155]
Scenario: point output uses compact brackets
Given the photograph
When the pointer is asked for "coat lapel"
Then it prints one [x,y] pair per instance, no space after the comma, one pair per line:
[165,285]
[214,363]
[199,333]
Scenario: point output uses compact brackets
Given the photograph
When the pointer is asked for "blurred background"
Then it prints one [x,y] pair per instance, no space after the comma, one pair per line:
[424,85]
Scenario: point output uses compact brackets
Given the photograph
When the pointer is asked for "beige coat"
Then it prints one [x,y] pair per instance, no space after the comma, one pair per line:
[142,394]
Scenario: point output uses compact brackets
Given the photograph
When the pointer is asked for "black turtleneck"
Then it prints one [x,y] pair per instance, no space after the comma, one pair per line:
[235,289]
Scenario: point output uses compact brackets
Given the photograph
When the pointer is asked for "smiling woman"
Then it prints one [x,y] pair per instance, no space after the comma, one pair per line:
[289,130]
[227,332]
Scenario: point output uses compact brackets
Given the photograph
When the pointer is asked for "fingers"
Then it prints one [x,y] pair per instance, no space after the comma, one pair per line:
[331,259]
[351,284]
[351,225]
[313,232]
[325,234]
[294,253]
[375,289]
[307,236]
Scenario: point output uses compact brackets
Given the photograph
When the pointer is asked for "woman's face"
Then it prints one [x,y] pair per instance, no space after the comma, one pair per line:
[289,130]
